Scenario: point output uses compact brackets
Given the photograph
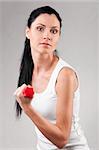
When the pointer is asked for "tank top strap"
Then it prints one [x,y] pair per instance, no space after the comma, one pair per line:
[60,65]
[55,73]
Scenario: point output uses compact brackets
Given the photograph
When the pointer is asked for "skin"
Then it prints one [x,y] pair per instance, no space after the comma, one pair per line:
[44,35]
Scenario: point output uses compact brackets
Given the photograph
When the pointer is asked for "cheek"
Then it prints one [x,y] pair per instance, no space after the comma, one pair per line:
[33,39]
[56,40]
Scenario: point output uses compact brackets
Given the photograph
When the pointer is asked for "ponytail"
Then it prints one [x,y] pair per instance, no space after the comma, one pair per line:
[25,72]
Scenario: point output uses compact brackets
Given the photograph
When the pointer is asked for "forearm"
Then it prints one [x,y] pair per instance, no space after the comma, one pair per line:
[49,130]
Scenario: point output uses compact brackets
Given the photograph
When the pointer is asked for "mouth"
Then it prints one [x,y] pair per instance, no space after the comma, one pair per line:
[46,44]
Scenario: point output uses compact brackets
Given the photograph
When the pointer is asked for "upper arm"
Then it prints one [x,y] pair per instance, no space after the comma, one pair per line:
[65,88]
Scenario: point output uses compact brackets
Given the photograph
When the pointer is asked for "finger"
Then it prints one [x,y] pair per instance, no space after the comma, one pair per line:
[20,88]
[19,96]
[23,86]
[16,91]
[29,85]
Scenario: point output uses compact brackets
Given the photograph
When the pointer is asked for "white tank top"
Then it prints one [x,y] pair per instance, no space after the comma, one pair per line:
[45,104]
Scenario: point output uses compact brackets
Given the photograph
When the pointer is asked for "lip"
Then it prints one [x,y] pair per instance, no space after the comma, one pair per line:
[47,44]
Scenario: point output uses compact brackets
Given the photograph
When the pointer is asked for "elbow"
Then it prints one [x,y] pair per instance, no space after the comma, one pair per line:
[61,144]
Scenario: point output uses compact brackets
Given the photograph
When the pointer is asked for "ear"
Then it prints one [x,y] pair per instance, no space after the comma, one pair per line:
[27,32]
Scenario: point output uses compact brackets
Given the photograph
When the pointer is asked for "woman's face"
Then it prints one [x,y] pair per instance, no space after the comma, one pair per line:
[44,33]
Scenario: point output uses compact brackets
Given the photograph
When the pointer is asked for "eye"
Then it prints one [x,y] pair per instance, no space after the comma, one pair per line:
[54,31]
[40,28]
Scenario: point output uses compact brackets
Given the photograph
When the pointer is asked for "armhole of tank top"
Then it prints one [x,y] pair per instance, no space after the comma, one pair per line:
[76,74]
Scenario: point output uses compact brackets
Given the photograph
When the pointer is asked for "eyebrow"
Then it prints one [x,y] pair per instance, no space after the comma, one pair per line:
[45,25]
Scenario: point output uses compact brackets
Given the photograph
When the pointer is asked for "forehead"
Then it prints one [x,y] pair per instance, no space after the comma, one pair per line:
[49,20]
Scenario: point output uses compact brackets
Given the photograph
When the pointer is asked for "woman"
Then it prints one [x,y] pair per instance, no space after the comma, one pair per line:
[55,104]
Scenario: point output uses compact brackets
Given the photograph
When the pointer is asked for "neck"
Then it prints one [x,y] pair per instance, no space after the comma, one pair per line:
[43,62]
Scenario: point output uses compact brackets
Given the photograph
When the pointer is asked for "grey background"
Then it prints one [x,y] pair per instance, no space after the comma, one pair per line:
[78,46]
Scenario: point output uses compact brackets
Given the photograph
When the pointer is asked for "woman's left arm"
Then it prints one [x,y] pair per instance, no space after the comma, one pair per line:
[58,133]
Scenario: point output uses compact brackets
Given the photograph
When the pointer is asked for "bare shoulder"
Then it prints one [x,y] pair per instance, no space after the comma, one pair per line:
[67,76]
[67,71]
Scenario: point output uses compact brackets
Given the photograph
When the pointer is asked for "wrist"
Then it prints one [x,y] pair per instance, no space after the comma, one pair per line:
[27,108]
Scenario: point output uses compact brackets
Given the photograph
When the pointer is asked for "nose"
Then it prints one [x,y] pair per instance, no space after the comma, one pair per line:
[47,35]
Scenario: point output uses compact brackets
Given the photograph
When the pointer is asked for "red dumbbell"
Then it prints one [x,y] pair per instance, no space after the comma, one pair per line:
[28,92]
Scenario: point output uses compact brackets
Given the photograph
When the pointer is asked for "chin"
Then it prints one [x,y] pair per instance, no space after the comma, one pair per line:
[44,51]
